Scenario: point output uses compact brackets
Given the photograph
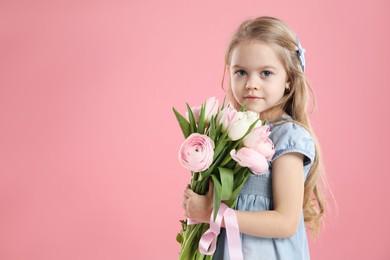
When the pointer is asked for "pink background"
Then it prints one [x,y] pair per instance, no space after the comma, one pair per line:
[88,140]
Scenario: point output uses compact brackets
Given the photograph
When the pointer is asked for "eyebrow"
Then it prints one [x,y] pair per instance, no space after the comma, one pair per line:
[261,67]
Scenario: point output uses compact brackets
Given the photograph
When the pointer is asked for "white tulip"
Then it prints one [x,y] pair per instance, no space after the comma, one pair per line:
[241,123]
[251,116]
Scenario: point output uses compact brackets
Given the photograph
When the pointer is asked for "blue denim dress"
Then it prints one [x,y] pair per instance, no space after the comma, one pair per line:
[256,194]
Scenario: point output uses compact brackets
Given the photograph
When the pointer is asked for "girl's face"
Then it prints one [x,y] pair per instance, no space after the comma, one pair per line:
[258,78]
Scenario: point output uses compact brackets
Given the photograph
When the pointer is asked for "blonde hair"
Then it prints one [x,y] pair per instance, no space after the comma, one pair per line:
[283,41]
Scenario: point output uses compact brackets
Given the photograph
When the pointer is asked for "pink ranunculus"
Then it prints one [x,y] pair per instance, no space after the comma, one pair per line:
[249,157]
[266,148]
[196,153]
[226,117]
[195,112]
[256,136]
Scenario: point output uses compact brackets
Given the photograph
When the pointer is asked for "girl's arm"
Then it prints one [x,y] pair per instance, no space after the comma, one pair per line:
[287,187]
[283,221]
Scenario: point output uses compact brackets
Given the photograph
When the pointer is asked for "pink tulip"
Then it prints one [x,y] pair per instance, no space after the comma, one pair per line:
[195,112]
[196,153]
[249,157]
[226,117]
[212,106]
[266,148]
[211,109]
[256,136]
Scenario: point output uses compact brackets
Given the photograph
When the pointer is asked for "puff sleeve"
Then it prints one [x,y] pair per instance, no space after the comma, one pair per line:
[290,137]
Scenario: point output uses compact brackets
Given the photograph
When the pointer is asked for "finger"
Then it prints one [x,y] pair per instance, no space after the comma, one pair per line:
[187,187]
[188,192]
[210,192]
[184,202]
[211,185]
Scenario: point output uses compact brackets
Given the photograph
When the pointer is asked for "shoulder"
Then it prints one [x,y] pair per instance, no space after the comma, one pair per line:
[288,137]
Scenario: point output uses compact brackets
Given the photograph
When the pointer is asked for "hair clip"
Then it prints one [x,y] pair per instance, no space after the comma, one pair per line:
[301,54]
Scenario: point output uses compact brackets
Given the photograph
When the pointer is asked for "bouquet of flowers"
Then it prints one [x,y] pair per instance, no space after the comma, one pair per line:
[224,145]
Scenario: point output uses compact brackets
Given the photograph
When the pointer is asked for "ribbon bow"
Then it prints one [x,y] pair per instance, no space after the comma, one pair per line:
[208,241]
[301,54]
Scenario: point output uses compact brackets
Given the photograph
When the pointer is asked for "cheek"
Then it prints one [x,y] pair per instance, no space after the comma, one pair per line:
[235,93]
[279,89]
[233,87]
[238,84]
[278,94]
[275,94]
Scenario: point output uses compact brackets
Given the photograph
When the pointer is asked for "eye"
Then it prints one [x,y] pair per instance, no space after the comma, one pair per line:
[240,73]
[266,73]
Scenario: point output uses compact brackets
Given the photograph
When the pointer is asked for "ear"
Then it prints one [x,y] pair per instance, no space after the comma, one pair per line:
[288,85]
[228,68]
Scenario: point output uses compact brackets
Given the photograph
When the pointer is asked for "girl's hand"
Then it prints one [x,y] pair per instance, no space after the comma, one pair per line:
[198,207]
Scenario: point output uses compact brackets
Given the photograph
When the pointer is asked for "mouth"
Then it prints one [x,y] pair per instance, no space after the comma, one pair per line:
[252,97]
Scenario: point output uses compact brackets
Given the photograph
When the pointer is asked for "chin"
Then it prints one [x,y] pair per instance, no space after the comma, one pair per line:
[253,108]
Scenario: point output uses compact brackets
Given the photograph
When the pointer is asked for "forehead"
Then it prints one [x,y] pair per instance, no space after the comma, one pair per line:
[254,54]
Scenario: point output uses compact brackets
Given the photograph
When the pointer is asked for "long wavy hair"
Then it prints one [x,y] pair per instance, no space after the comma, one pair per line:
[282,40]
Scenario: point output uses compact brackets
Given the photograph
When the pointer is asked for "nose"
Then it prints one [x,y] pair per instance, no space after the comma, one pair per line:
[252,83]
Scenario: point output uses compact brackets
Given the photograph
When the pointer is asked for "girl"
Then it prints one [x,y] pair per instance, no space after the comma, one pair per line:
[266,65]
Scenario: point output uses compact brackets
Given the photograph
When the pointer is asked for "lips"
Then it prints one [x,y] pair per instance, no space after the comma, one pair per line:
[251,97]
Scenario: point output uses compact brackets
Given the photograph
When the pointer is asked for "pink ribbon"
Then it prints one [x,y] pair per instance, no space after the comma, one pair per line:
[208,241]
[192,222]
[233,234]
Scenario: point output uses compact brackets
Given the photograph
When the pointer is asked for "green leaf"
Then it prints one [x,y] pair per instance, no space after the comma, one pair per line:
[189,241]
[217,196]
[239,175]
[245,174]
[211,129]
[227,159]
[233,145]
[179,238]
[192,119]
[220,147]
[183,224]
[226,183]
[184,124]
[201,119]
[222,138]
[231,165]
[218,130]
[243,108]
[223,102]
[204,186]
[219,158]
[216,163]
[199,256]
[205,174]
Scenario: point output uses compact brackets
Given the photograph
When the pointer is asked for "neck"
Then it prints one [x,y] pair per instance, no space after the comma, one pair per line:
[272,114]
